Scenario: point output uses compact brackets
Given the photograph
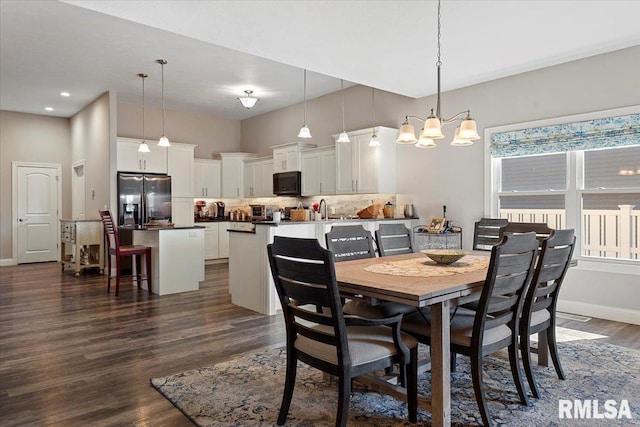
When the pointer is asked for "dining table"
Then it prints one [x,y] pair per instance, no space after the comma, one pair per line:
[415,280]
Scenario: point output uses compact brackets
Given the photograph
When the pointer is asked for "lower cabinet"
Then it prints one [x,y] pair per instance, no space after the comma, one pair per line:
[216,240]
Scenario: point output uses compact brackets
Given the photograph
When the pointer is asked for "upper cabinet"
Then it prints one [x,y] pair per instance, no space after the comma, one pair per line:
[129,159]
[233,173]
[319,171]
[206,178]
[180,167]
[286,157]
[364,169]
[258,177]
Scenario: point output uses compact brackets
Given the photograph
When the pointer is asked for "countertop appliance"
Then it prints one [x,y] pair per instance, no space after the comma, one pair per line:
[143,198]
[287,183]
[219,210]
[262,212]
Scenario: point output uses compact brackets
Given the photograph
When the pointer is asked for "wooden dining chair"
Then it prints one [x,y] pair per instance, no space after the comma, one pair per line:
[539,310]
[393,239]
[541,229]
[338,344]
[486,233]
[495,325]
[114,248]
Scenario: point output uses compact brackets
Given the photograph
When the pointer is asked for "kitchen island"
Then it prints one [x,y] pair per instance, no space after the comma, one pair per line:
[250,282]
[177,257]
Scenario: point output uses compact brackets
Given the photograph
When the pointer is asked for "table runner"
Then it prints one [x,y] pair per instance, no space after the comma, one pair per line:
[423,267]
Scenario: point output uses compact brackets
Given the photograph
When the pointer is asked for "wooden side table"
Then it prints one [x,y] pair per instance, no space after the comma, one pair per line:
[86,240]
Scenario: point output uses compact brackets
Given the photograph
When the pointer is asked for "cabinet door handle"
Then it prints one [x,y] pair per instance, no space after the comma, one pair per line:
[320,187]
[238,191]
[145,164]
[139,164]
[356,185]
[206,191]
[352,186]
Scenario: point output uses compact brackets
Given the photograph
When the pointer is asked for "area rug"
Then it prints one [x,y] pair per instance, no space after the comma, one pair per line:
[247,392]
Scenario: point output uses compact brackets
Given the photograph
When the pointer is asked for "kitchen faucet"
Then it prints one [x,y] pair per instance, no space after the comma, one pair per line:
[324,215]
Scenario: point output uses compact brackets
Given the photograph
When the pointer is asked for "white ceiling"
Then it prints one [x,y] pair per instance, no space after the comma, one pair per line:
[217,49]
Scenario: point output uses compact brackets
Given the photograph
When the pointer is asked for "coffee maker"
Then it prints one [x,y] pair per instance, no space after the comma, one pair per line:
[219,210]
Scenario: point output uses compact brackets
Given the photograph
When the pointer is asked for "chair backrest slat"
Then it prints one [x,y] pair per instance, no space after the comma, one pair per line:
[348,242]
[541,229]
[486,233]
[394,239]
[111,236]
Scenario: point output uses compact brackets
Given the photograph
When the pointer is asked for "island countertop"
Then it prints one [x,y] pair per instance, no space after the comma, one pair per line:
[145,228]
[330,221]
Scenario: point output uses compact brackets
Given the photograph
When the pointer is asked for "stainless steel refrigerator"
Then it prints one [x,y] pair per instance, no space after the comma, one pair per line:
[143,198]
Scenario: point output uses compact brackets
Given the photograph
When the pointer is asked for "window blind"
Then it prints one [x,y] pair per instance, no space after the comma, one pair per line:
[534,173]
[618,131]
[618,168]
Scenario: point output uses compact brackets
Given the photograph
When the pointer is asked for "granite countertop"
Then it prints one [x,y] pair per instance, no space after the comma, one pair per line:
[175,227]
[329,221]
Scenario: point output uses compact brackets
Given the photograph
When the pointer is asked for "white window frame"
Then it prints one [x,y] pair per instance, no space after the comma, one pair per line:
[573,194]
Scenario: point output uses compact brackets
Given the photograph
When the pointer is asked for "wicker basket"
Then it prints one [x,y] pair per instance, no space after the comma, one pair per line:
[369,212]
[299,215]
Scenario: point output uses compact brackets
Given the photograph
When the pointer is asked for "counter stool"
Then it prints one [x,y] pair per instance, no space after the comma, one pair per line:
[114,248]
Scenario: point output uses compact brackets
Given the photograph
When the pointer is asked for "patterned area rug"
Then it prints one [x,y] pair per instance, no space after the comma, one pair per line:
[247,392]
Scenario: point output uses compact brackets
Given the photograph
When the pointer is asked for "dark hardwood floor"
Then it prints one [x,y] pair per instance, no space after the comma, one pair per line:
[71,355]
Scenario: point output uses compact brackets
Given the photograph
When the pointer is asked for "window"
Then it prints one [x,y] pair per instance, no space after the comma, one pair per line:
[573,174]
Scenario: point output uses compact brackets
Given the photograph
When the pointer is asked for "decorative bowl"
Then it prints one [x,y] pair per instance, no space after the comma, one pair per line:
[444,256]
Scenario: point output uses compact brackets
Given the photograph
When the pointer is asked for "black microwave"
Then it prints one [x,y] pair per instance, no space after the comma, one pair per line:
[287,183]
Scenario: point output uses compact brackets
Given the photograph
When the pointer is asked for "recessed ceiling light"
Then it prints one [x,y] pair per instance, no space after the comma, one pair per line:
[65,94]
[48,108]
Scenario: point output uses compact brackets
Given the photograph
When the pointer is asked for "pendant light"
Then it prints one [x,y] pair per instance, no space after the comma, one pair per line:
[163,141]
[304,130]
[374,138]
[343,136]
[248,101]
[466,133]
[143,148]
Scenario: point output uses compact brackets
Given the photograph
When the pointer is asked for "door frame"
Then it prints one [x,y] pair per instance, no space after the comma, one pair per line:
[14,202]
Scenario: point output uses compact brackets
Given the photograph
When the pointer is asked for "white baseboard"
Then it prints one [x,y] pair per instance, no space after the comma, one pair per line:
[7,262]
[615,314]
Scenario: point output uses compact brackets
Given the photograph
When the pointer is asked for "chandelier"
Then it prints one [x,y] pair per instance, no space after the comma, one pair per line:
[465,133]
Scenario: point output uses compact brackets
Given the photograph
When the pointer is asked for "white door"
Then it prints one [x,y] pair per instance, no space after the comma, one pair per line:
[37,213]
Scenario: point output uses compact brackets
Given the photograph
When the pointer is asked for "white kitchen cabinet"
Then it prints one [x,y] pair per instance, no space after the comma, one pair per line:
[364,169]
[129,159]
[223,240]
[206,178]
[233,173]
[182,210]
[319,171]
[180,168]
[258,177]
[211,233]
[286,157]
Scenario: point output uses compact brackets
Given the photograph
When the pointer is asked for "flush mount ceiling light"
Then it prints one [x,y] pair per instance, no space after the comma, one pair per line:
[467,133]
[65,94]
[304,130]
[143,148]
[163,141]
[48,108]
[248,101]
[374,138]
[343,136]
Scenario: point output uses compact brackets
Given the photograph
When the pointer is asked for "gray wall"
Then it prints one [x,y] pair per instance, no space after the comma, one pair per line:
[30,138]
[454,176]
[210,134]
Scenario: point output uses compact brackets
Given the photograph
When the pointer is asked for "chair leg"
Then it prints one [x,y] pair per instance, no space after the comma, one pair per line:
[516,372]
[553,349]
[138,262]
[478,389]
[412,385]
[344,395]
[290,382]
[117,275]
[147,259]
[452,368]
[525,351]
[108,273]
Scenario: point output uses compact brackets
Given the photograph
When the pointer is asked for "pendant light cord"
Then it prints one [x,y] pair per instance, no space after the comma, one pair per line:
[342,91]
[438,65]
[143,76]
[162,65]
[373,103]
[305,97]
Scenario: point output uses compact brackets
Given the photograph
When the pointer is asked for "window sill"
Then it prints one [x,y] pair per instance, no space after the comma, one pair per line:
[618,266]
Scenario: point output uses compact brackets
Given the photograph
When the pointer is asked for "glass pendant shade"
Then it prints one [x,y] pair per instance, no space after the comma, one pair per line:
[304,132]
[433,128]
[164,142]
[344,137]
[406,134]
[248,101]
[460,142]
[143,148]
[469,129]
[374,141]
[425,141]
